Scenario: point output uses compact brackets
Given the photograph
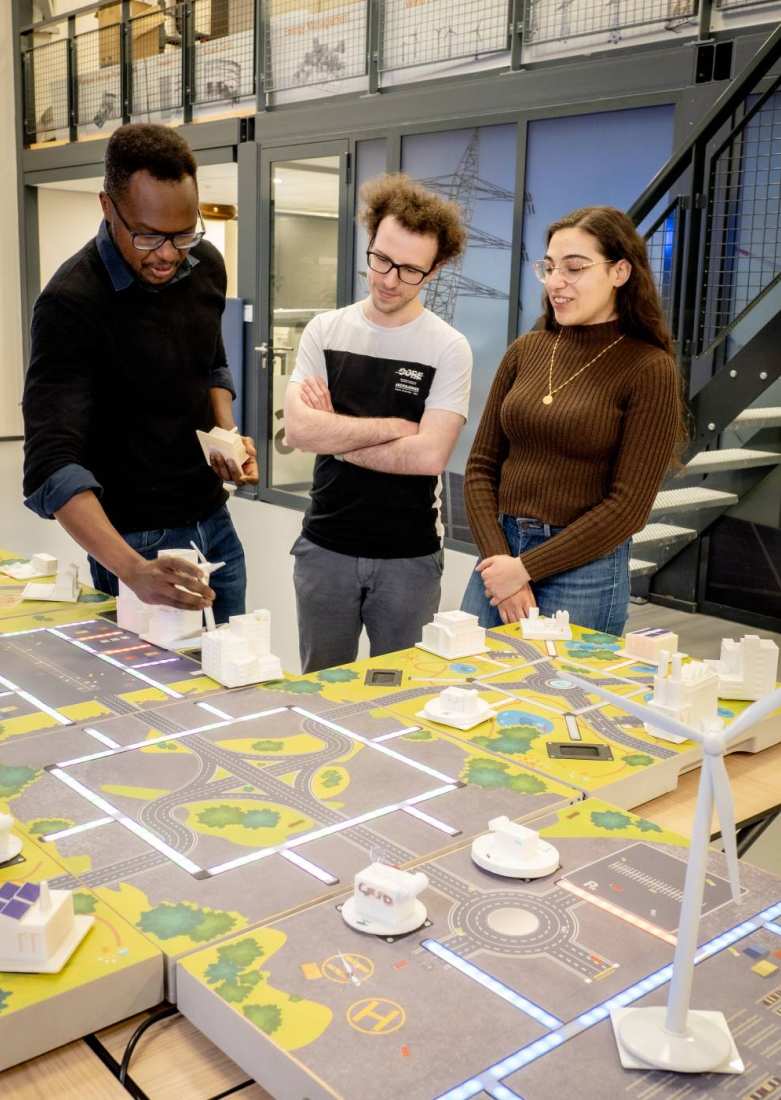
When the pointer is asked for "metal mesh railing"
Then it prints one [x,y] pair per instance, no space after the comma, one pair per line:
[313,42]
[743,230]
[560,20]
[45,90]
[224,50]
[98,76]
[430,31]
[662,242]
[155,44]
[734,5]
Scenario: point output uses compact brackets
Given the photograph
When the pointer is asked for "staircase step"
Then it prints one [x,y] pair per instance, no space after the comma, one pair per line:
[662,534]
[755,419]
[730,458]
[638,568]
[690,500]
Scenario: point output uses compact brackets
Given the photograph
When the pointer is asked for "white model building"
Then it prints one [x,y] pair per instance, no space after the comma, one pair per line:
[540,628]
[239,652]
[10,845]
[453,634]
[687,692]
[132,614]
[747,669]
[514,851]
[39,565]
[38,928]
[66,587]
[227,443]
[648,643]
[459,707]
[173,627]
[385,901]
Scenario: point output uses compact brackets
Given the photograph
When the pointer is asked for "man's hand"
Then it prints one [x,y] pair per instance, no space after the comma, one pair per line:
[227,470]
[516,607]
[502,576]
[316,395]
[163,580]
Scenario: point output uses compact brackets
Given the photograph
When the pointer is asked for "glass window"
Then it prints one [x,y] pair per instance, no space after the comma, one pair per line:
[369,162]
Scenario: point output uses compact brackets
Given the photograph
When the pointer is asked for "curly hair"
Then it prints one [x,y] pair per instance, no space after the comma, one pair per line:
[416,209]
[142,146]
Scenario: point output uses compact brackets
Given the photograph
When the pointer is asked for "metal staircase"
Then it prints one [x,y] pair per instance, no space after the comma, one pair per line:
[712,222]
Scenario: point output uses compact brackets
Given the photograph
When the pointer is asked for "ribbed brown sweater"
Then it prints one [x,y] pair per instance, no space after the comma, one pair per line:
[591,462]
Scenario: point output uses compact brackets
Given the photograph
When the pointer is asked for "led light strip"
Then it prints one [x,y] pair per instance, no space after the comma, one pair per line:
[617,911]
[117,664]
[215,711]
[102,738]
[492,984]
[433,821]
[28,698]
[327,830]
[771,926]
[310,868]
[94,824]
[396,733]
[377,748]
[164,661]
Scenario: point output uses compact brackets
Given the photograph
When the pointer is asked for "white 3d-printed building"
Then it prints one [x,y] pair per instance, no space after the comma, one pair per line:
[649,642]
[387,896]
[747,669]
[34,923]
[687,692]
[238,652]
[453,634]
[539,627]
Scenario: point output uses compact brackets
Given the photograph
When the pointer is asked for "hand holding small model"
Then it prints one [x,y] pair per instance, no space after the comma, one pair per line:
[227,469]
[169,581]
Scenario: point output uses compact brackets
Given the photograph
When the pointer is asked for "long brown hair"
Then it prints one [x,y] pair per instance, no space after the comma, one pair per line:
[638,304]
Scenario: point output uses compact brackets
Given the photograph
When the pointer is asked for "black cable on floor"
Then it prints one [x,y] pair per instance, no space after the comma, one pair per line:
[112,1064]
[161,1014]
[232,1090]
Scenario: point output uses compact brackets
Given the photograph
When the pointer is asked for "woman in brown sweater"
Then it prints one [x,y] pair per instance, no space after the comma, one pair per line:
[577,433]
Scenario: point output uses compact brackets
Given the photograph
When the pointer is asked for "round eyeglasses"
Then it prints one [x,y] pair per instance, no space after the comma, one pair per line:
[150,242]
[570,270]
[413,276]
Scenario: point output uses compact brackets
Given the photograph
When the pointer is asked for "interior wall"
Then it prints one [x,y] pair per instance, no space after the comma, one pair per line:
[11,365]
[66,221]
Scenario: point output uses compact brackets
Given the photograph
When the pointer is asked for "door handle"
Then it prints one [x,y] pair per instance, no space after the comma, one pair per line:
[262,350]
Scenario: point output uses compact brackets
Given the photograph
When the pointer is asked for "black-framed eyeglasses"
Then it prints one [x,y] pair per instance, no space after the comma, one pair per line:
[150,242]
[413,276]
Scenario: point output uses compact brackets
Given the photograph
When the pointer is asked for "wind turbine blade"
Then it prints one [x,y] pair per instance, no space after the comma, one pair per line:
[640,710]
[755,713]
[725,810]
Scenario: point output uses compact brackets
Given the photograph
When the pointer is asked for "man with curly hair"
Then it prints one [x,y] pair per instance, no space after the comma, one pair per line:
[380,393]
[127,360]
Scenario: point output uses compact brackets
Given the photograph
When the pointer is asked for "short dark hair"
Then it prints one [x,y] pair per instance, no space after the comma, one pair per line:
[143,146]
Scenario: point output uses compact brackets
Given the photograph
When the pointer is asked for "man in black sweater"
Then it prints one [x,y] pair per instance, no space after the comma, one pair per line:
[127,361]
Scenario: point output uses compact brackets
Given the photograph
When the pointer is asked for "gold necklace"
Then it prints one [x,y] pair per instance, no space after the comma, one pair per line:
[548,398]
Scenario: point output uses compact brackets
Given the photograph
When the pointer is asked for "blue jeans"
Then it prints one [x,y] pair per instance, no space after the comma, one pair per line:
[216,538]
[596,594]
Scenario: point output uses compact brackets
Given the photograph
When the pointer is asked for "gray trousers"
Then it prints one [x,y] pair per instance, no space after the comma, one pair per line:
[337,595]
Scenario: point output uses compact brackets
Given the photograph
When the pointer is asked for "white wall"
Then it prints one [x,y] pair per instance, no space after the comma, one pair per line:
[66,221]
[11,366]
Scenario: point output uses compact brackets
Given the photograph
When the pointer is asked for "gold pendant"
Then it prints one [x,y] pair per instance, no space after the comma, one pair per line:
[547,399]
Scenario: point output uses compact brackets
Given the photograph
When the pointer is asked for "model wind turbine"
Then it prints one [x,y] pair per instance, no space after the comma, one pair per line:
[678,1038]
[207,568]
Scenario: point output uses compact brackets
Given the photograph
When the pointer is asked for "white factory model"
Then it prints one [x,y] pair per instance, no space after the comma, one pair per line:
[649,643]
[10,844]
[459,707]
[747,669]
[239,652]
[227,443]
[453,634]
[39,565]
[66,587]
[514,851]
[167,627]
[539,628]
[688,693]
[385,901]
[39,930]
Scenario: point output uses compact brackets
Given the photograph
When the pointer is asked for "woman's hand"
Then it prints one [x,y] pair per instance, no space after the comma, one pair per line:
[516,607]
[502,576]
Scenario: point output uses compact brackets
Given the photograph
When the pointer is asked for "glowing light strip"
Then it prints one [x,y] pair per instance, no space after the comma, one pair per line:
[105,634]
[492,984]
[164,661]
[617,911]
[528,1054]
[433,821]
[550,649]
[502,1092]
[771,926]
[310,868]
[4,693]
[129,649]
[213,710]
[397,733]
[94,824]
[28,698]
[85,792]
[377,748]
[327,830]
[102,738]
[85,759]
[117,664]
[463,1092]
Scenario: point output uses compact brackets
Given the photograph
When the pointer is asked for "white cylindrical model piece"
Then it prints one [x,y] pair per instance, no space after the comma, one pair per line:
[385,901]
[514,851]
[459,707]
[10,845]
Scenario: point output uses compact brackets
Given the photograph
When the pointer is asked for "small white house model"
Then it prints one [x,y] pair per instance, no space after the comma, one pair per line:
[686,692]
[40,565]
[453,634]
[514,851]
[540,628]
[459,707]
[38,928]
[747,669]
[648,643]
[239,652]
[385,901]
[132,614]
[228,444]
[10,845]
[66,587]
